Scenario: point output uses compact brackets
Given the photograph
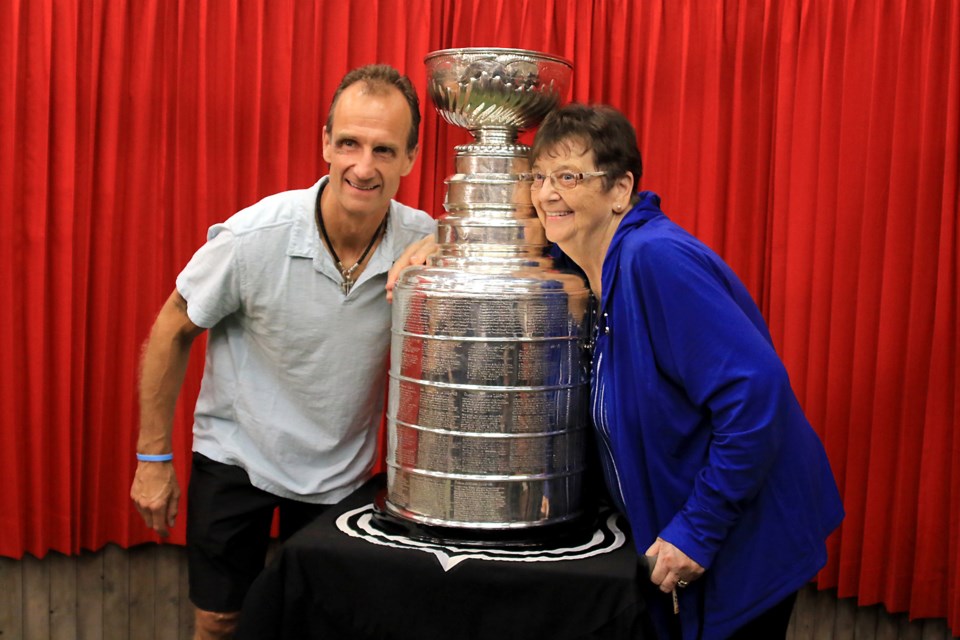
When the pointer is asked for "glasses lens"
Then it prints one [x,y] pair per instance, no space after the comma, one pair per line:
[565,180]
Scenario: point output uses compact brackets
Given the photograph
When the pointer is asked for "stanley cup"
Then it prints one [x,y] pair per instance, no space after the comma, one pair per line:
[488,398]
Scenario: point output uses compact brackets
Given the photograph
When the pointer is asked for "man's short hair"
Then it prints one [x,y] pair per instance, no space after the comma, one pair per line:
[379,78]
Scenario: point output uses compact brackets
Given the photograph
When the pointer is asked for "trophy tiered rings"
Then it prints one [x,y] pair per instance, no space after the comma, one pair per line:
[488,394]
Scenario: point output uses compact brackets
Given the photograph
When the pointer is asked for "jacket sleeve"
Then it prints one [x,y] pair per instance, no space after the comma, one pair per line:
[709,339]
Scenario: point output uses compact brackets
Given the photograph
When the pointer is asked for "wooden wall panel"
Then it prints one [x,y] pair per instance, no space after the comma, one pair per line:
[116,597]
[167,611]
[63,597]
[185,606]
[845,620]
[36,598]
[90,589]
[11,598]
[142,593]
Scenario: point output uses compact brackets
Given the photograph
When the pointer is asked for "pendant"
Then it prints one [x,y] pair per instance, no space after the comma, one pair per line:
[347,275]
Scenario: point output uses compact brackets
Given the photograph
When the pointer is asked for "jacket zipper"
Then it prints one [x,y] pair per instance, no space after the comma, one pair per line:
[601,422]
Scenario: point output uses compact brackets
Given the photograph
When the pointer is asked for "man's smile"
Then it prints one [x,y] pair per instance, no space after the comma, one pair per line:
[361,187]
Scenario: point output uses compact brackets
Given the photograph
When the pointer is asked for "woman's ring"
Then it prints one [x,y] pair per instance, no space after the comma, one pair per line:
[682,583]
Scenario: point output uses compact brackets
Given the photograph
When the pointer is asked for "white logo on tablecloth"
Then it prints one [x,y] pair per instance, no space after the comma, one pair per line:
[606,538]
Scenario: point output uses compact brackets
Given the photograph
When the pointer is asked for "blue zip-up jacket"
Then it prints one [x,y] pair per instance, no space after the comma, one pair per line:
[702,437]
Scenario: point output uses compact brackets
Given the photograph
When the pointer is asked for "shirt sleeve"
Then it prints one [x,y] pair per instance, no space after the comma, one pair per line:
[709,339]
[210,283]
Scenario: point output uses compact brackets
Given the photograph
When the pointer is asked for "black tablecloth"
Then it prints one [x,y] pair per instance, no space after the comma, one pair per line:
[325,583]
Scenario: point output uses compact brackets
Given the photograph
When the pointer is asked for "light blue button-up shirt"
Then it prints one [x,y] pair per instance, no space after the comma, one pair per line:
[294,382]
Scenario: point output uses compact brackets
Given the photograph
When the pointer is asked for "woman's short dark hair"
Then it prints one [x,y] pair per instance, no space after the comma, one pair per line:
[601,129]
[378,78]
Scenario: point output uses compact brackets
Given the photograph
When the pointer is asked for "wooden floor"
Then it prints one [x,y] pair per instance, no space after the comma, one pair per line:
[141,594]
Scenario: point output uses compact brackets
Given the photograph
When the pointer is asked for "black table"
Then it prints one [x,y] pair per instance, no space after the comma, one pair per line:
[325,583]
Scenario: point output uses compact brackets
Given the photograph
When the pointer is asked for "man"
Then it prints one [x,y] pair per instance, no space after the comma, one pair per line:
[291,290]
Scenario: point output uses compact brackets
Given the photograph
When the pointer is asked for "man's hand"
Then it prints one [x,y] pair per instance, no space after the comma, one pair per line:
[674,568]
[156,494]
[415,254]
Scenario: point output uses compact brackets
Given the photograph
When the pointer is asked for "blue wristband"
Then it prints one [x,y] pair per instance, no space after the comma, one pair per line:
[159,457]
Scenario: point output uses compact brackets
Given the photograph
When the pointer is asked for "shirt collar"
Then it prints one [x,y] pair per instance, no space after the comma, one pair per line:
[305,237]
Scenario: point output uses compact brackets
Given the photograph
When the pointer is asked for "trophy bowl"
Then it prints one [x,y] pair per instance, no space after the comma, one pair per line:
[486,89]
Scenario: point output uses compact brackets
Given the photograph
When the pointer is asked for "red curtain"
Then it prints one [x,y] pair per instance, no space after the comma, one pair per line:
[814,144]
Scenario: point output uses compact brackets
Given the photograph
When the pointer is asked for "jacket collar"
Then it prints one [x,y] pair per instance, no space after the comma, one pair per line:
[646,209]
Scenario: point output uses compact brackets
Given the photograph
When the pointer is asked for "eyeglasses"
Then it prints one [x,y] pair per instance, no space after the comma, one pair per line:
[563,180]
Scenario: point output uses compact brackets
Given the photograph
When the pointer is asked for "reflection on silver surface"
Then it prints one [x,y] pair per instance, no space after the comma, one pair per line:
[490,188]
[488,391]
[495,92]
[482,502]
[485,454]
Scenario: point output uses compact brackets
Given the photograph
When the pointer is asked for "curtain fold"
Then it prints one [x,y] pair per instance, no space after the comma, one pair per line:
[813,144]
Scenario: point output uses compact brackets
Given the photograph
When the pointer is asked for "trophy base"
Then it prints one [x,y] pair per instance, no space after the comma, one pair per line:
[578,530]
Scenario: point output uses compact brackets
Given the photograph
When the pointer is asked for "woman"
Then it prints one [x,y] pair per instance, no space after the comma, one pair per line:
[704,444]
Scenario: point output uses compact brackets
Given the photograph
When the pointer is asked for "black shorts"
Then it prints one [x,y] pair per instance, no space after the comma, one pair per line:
[228,531]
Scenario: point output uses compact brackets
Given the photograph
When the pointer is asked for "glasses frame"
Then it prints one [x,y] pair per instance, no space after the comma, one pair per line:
[579,175]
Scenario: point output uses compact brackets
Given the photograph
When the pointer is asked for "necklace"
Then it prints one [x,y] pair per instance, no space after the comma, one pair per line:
[345,273]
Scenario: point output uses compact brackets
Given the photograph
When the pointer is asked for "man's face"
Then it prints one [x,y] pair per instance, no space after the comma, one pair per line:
[367,149]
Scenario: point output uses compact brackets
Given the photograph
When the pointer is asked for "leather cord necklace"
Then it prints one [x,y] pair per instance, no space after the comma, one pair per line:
[345,273]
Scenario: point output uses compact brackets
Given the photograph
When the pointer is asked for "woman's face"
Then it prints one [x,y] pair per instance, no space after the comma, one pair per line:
[577,215]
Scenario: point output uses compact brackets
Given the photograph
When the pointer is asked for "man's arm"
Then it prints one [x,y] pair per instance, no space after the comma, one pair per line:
[155,490]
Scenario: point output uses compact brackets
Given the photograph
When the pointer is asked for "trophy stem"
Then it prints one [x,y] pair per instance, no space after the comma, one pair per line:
[495,136]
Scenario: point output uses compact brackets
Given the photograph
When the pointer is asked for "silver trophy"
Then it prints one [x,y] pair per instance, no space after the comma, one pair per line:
[487,414]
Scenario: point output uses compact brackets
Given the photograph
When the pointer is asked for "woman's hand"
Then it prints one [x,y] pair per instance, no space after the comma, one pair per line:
[415,254]
[674,568]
